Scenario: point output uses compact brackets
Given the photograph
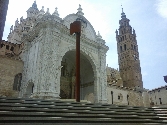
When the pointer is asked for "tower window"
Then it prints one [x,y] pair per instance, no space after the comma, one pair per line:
[131,46]
[2,45]
[12,48]
[125,47]
[121,48]
[7,47]
[135,48]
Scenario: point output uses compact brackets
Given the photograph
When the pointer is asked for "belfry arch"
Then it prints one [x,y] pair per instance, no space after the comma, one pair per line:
[67,75]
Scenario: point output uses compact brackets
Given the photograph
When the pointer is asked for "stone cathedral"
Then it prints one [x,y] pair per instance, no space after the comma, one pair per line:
[38,61]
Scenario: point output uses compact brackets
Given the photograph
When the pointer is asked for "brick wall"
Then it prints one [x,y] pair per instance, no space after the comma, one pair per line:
[9,68]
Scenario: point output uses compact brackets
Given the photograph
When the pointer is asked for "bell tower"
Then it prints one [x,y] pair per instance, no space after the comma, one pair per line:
[128,55]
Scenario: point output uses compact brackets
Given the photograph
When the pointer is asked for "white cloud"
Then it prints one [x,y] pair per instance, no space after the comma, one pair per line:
[162,8]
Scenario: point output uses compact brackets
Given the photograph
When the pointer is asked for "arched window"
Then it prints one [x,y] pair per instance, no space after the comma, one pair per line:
[120,48]
[125,47]
[131,46]
[12,48]
[17,82]
[7,47]
[2,45]
[134,47]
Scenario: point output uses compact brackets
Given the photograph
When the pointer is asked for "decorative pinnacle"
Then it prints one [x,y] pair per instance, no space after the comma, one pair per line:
[134,31]
[42,7]
[34,5]
[42,10]
[80,11]
[116,32]
[47,10]
[99,36]
[56,12]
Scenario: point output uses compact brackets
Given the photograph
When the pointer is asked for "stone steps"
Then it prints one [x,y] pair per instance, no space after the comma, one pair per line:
[37,111]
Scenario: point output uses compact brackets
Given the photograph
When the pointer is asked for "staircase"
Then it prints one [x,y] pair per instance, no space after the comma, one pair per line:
[21,111]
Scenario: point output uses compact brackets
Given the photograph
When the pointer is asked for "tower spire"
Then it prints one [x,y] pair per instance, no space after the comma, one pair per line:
[123,14]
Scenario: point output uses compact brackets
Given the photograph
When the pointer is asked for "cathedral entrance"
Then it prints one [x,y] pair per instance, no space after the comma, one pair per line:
[68,75]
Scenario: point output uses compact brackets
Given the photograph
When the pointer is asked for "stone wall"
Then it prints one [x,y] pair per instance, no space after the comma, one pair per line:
[158,96]
[9,68]
[125,96]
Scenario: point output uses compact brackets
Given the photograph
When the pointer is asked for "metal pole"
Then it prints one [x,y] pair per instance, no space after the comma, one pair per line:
[78,67]
[75,27]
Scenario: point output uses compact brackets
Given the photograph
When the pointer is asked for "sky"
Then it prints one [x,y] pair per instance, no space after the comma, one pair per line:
[147,17]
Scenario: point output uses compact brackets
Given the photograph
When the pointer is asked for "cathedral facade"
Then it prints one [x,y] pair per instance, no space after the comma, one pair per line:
[38,61]
[48,56]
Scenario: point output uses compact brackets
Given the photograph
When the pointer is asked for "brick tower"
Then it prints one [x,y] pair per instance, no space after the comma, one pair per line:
[128,55]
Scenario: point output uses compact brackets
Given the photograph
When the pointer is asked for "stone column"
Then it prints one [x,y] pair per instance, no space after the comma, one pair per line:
[103,77]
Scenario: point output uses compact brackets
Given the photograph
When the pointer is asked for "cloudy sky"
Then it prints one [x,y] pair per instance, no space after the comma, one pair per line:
[147,17]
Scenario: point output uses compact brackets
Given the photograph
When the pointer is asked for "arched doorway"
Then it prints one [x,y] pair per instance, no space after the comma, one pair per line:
[67,79]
